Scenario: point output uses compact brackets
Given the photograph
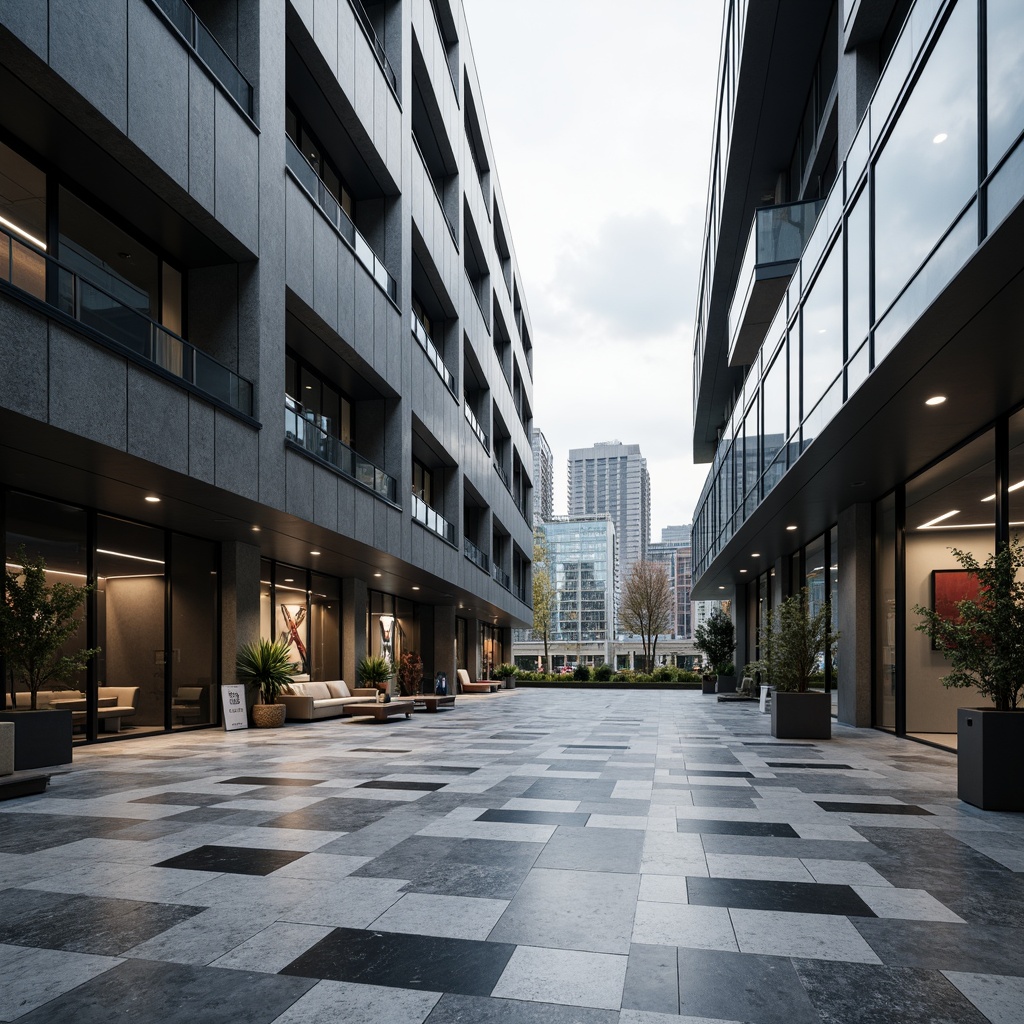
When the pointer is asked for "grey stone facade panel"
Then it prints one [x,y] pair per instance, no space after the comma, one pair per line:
[158,420]
[236,453]
[325,498]
[326,244]
[24,356]
[298,490]
[201,129]
[201,440]
[236,174]
[27,21]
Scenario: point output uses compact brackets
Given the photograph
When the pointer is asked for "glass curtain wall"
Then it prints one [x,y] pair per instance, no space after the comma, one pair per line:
[195,602]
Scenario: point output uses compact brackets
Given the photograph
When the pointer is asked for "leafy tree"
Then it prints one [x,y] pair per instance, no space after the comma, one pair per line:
[647,606]
[543,594]
[984,645]
[792,641]
[410,674]
[716,640]
[37,620]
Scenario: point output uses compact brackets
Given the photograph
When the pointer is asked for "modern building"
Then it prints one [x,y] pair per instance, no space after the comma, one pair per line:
[266,356]
[543,478]
[611,478]
[581,561]
[856,388]
[673,552]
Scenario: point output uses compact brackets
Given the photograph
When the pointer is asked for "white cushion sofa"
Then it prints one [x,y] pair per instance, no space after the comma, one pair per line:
[307,701]
[115,703]
[483,686]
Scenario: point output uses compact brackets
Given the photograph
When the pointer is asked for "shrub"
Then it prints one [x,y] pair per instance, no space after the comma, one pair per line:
[582,674]
[663,675]
[603,673]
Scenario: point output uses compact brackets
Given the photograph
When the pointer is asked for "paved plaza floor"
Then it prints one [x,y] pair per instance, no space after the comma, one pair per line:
[529,856]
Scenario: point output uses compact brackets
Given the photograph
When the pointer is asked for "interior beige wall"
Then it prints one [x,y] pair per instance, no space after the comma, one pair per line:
[134,634]
[931,707]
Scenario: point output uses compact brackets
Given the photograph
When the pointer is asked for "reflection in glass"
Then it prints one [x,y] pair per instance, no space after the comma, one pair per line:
[193,631]
[1005,26]
[858,315]
[823,329]
[325,628]
[928,167]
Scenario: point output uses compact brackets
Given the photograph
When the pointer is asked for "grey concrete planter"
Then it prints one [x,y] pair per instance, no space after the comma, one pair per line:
[41,738]
[726,684]
[806,716]
[708,685]
[990,758]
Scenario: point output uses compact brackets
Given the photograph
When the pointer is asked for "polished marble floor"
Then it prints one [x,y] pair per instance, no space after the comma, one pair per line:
[528,856]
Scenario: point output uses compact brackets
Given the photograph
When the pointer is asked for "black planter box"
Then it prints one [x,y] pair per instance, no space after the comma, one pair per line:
[726,684]
[41,738]
[990,758]
[708,686]
[805,716]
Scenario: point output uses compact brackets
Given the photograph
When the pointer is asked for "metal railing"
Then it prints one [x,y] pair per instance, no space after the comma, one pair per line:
[519,591]
[378,47]
[434,521]
[127,328]
[204,45]
[502,474]
[300,429]
[433,356]
[475,555]
[501,577]
[307,177]
[471,419]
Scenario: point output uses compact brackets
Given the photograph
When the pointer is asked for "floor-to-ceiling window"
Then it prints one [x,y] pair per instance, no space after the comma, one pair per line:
[885,613]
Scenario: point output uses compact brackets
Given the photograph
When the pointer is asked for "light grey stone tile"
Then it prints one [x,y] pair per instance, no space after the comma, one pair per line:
[38,975]
[330,1002]
[907,904]
[673,924]
[812,936]
[272,949]
[999,998]
[566,976]
[457,917]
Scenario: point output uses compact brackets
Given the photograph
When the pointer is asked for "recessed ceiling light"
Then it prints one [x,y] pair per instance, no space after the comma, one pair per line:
[415,588]
[377,575]
[721,588]
[314,552]
[935,400]
[743,570]
[289,581]
[755,554]
[940,138]
[153,499]
[791,528]
[255,529]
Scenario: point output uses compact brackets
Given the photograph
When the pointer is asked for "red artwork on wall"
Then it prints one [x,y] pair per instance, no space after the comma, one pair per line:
[949,588]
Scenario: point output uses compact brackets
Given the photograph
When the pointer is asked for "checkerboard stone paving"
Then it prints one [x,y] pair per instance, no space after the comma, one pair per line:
[531,856]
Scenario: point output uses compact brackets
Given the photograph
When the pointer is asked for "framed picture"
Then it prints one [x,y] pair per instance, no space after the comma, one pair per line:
[949,588]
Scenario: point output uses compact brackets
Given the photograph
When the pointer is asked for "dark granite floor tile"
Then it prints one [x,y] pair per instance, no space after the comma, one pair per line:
[383,750]
[184,799]
[31,833]
[594,849]
[270,780]
[917,849]
[818,765]
[853,807]
[938,946]
[792,897]
[430,769]
[742,987]
[711,773]
[820,849]
[574,765]
[144,831]
[570,789]
[709,826]
[232,817]
[483,881]
[777,744]
[412,787]
[845,993]
[977,905]
[652,979]
[536,817]
[457,1009]
[236,860]
[594,746]
[84,924]
[148,990]
[397,960]
[708,755]
[334,814]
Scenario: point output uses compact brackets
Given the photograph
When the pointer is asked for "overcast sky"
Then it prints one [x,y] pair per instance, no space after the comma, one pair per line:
[600,117]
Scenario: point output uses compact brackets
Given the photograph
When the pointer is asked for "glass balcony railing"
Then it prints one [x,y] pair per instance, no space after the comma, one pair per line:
[433,521]
[126,328]
[520,593]
[307,177]
[375,43]
[502,474]
[433,356]
[300,429]
[501,577]
[475,555]
[481,434]
[205,46]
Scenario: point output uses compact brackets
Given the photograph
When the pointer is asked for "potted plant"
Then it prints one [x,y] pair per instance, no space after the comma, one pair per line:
[507,673]
[410,674]
[716,640]
[376,671]
[266,666]
[792,642]
[37,620]
[984,646]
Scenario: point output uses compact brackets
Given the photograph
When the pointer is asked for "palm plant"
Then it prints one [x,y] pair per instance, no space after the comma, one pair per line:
[375,670]
[266,665]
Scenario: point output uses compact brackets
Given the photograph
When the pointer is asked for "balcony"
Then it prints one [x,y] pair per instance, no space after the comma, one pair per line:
[118,325]
[777,238]
[307,177]
[481,434]
[475,555]
[501,577]
[378,50]
[423,514]
[433,356]
[302,432]
[437,194]
[502,475]
[519,591]
[201,41]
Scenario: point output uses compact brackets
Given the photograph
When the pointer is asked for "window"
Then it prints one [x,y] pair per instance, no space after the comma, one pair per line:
[311,149]
[422,482]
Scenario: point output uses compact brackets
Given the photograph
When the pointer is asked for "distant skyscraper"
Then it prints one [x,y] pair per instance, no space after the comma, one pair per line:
[612,478]
[673,551]
[543,478]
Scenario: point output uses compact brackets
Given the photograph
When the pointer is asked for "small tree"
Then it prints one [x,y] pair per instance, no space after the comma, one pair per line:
[37,619]
[543,594]
[791,642]
[647,606]
[984,645]
[716,640]
[410,674]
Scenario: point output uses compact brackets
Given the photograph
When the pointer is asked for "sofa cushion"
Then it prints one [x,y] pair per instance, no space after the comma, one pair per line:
[318,691]
[338,688]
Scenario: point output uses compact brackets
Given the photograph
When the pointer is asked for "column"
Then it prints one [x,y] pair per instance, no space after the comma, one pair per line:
[854,650]
[354,604]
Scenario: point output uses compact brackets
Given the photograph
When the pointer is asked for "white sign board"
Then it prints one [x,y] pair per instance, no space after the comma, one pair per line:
[764,700]
[235,715]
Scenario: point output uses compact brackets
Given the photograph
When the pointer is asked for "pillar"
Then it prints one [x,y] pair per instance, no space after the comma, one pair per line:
[854,650]
[354,606]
